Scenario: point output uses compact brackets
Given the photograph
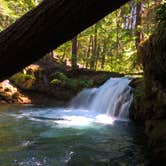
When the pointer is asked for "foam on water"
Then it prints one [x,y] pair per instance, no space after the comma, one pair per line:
[105,104]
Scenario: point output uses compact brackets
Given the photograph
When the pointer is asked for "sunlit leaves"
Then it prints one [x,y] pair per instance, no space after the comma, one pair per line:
[10,10]
[115,38]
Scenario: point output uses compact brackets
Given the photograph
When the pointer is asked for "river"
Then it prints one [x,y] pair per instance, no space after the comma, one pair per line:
[84,134]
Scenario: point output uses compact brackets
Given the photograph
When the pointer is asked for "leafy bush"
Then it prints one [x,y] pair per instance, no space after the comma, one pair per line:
[85,83]
[55,82]
[61,80]
[25,81]
[71,84]
[78,84]
[60,76]
[21,77]
[161,13]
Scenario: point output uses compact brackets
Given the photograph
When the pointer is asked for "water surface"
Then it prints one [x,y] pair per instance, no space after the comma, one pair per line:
[34,136]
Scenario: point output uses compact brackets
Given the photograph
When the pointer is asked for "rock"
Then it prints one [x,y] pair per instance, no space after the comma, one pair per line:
[155,130]
[136,82]
[152,103]
[10,94]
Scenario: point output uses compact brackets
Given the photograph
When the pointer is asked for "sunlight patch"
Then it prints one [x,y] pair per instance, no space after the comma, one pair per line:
[75,121]
[105,119]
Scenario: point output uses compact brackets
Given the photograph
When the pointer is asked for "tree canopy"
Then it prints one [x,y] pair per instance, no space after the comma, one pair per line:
[46,27]
[110,44]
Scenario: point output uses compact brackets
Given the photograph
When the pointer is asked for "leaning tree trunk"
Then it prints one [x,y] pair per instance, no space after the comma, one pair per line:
[46,27]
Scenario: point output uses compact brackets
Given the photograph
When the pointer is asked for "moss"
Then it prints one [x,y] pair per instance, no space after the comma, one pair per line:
[77,84]
[138,110]
[21,77]
[86,83]
[60,76]
[153,55]
[55,82]
[22,80]
[62,81]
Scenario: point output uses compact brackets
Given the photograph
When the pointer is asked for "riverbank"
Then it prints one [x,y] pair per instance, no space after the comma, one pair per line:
[39,85]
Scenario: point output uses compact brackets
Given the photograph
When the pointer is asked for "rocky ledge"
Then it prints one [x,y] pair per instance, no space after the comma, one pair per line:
[150,94]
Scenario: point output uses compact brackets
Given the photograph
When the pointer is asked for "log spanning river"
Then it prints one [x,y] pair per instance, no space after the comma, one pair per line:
[94,130]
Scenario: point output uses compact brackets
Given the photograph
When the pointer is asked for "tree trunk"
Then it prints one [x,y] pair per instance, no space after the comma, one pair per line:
[97,56]
[88,52]
[45,28]
[74,53]
[133,12]
[138,33]
[103,54]
[118,54]
[94,49]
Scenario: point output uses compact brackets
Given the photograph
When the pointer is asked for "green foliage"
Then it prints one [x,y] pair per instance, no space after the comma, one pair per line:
[116,38]
[55,82]
[71,84]
[61,80]
[161,13]
[5,9]
[118,55]
[85,83]
[21,78]
[78,84]
[10,10]
[110,42]
[60,76]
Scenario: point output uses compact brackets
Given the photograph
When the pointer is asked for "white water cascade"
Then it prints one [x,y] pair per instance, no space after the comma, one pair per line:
[113,98]
[105,104]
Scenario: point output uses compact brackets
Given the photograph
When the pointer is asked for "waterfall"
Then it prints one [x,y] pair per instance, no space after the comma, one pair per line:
[104,104]
[113,98]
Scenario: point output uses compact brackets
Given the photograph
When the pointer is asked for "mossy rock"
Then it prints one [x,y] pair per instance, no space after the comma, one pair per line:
[24,81]
[60,80]
[78,84]
[137,111]
[60,76]
[55,82]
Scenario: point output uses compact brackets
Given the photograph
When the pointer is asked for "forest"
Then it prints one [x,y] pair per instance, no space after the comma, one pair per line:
[55,84]
[109,45]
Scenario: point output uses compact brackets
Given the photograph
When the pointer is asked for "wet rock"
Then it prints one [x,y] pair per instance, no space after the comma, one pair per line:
[10,94]
[152,103]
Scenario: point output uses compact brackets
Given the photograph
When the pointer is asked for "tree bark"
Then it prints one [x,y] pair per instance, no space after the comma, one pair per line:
[103,54]
[45,28]
[88,51]
[138,25]
[97,57]
[118,54]
[74,53]
[94,49]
